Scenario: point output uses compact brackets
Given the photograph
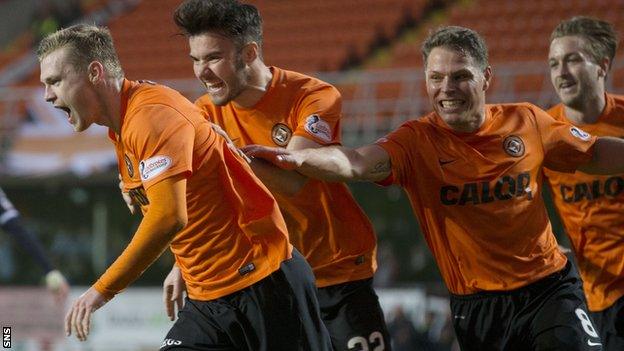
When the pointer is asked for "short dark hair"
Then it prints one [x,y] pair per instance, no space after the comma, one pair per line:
[600,37]
[464,40]
[87,43]
[239,22]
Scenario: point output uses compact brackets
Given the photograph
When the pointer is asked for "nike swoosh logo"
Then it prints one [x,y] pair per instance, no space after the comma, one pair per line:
[444,162]
[590,343]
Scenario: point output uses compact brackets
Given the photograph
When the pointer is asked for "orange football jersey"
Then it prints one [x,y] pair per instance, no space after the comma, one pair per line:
[235,234]
[591,208]
[324,221]
[478,195]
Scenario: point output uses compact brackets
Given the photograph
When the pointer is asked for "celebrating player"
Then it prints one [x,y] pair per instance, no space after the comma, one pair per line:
[591,207]
[248,288]
[256,104]
[473,174]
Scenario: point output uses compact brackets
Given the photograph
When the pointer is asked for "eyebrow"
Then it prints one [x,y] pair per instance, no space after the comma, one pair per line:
[212,53]
[463,70]
[51,79]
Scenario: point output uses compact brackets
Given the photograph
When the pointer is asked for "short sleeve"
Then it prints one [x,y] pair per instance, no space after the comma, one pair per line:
[566,147]
[318,115]
[162,140]
[400,145]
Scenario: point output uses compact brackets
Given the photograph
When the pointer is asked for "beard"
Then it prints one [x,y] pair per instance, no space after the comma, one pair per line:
[234,86]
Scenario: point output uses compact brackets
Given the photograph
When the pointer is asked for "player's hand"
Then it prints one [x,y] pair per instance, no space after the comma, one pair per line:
[229,142]
[78,317]
[280,157]
[173,292]
[57,284]
[132,206]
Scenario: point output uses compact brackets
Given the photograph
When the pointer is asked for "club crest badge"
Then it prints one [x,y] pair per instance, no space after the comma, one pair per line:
[317,127]
[281,134]
[579,133]
[129,166]
[513,146]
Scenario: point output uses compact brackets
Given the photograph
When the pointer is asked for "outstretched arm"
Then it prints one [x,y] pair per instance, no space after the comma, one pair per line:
[608,157]
[165,217]
[333,163]
[286,182]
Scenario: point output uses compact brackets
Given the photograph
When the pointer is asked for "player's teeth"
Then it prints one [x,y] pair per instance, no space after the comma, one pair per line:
[451,103]
[214,87]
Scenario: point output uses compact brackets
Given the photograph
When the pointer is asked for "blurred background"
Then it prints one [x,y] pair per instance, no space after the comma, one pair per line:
[65,184]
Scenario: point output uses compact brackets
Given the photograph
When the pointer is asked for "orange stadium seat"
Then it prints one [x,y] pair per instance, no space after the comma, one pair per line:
[302,35]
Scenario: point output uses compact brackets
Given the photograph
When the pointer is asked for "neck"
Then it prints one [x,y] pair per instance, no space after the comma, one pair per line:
[257,85]
[590,110]
[109,98]
[469,125]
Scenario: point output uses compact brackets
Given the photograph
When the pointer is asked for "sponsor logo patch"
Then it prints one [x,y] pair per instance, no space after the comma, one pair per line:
[281,134]
[513,146]
[129,166]
[579,133]
[318,128]
[154,166]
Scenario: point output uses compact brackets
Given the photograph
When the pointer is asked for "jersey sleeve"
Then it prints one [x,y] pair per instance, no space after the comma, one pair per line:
[400,145]
[162,140]
[566,147]
[318,116]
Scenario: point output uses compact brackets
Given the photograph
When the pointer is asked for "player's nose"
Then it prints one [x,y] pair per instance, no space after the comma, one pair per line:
[49,95]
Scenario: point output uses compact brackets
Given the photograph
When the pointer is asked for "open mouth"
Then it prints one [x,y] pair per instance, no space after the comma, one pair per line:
[63,108]
[214,88]
[451,104]
[566,84]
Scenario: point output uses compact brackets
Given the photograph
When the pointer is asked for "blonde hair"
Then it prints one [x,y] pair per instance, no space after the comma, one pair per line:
[87,43]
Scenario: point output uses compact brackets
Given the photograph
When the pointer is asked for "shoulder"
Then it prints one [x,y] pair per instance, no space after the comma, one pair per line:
[511,108]
[304,84]
[205,103]
[520,110]
[417,128]
[157,107]
[556,111]
[618,100]
[155,94]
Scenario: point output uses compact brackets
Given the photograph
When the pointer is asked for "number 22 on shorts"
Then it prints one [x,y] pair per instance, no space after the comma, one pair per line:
[363,344]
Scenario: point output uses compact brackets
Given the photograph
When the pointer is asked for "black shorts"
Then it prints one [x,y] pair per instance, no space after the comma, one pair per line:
[353,316]
[550,314]
[610,323]
[280,312]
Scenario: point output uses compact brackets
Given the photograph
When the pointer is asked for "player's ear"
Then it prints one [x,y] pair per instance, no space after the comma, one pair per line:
[95,71]
[487,75]
[250,52]
[604,65]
